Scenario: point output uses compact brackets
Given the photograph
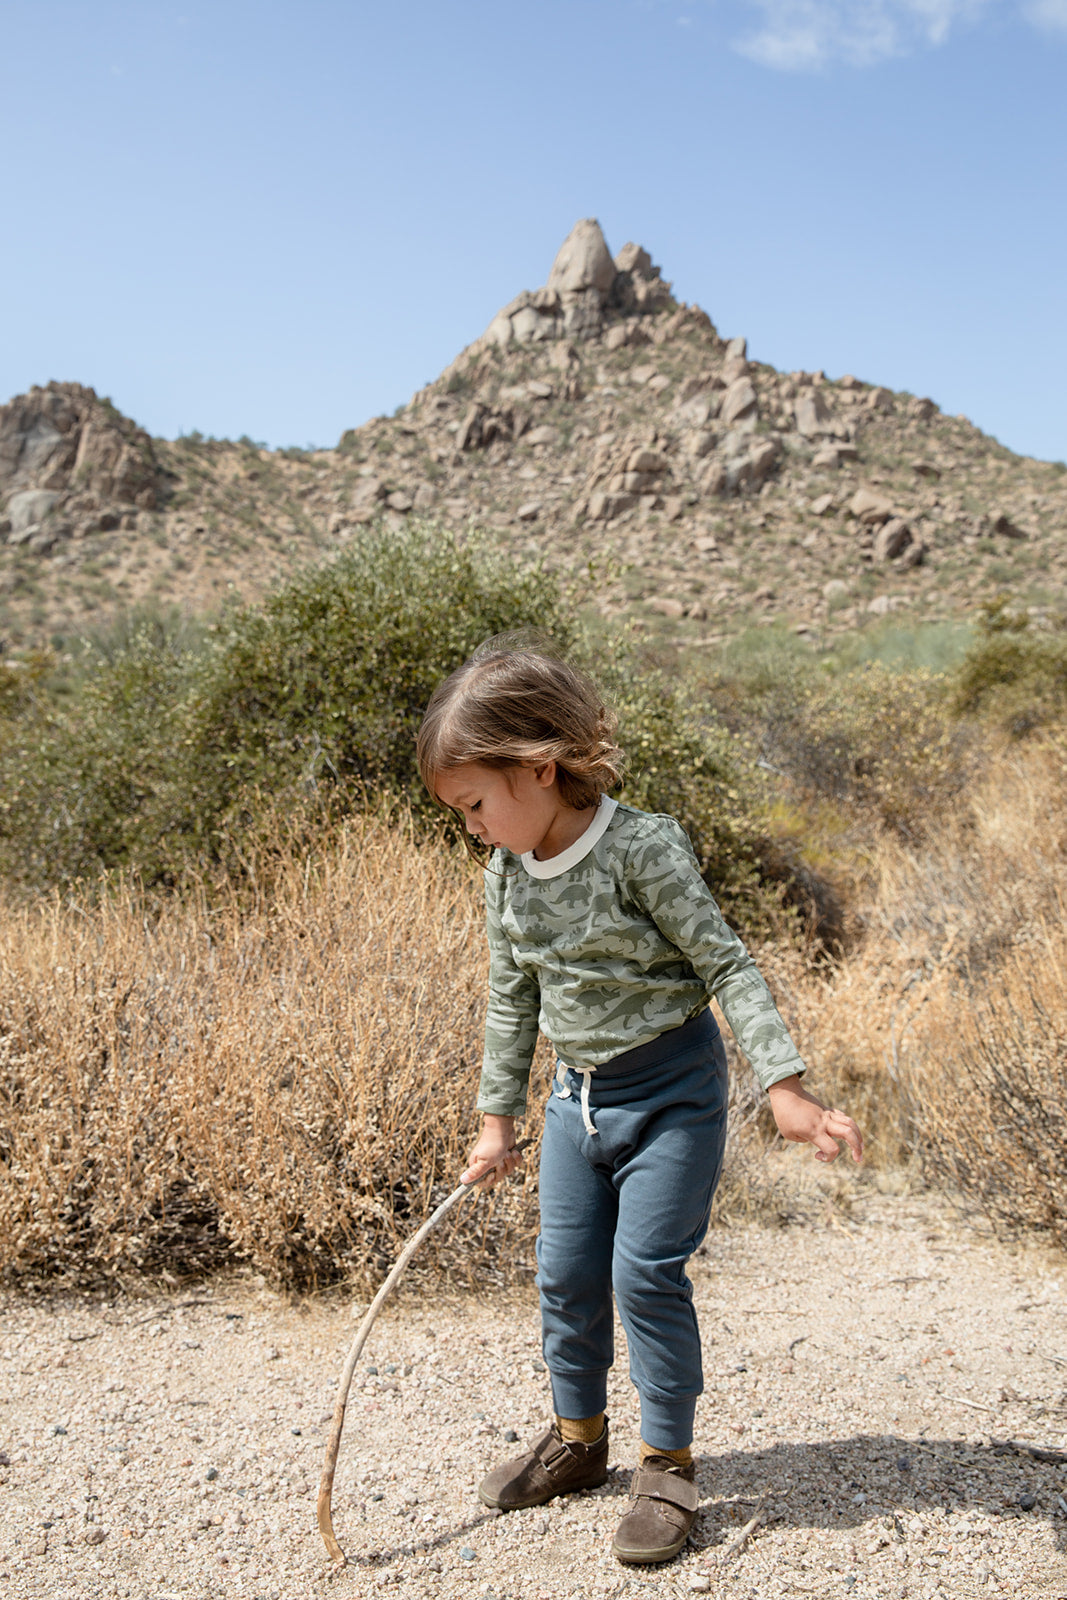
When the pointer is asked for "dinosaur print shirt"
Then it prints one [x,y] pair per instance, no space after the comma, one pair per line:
[606,946]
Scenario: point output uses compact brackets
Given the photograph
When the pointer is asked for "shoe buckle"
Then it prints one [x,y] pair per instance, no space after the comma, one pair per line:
[553,1452]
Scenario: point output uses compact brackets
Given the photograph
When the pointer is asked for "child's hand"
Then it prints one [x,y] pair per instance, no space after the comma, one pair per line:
[804,1120]
[494,1156]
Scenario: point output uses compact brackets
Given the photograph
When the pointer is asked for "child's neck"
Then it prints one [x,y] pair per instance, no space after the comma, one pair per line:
[567,828]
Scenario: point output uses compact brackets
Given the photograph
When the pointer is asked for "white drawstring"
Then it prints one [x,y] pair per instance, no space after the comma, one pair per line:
[564,1091]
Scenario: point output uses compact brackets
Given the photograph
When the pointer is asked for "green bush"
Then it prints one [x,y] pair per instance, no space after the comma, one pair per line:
[871,737]
[1013,675]
[171,747]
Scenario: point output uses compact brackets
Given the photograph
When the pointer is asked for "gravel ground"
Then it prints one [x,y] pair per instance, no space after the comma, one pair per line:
[863,1376]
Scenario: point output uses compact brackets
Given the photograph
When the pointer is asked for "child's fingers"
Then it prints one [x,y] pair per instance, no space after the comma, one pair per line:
[838,1126]
[843,1127]
[487,1173]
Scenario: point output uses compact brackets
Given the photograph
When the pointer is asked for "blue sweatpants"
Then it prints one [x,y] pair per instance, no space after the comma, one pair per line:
[623,1210]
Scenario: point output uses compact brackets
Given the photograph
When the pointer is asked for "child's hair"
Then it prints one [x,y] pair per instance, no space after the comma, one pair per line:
[515,703]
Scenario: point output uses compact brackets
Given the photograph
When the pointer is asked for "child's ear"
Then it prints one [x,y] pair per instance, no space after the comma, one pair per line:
[546,774]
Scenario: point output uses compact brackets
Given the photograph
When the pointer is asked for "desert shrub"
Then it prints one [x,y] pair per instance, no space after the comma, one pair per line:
[86,782]
[1014,675]
[328,679]
[173,745]
[288,1082]
[880,740]
[685,762]
[159,757]
[996,1129]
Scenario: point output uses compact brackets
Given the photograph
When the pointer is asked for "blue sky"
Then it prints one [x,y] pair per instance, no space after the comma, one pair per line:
[279,219]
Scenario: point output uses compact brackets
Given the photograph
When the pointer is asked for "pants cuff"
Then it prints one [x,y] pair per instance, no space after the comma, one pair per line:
[668,1424]
[580,1394]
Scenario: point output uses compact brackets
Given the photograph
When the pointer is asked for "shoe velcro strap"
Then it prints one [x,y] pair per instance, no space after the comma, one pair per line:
[550,1451]
[668,1486]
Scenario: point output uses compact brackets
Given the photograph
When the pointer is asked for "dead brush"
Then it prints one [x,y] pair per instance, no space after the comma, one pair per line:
[286,1082]
[945,1030]
[283,1077]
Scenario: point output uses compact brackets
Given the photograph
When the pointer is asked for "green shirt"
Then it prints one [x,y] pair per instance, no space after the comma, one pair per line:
[606,946]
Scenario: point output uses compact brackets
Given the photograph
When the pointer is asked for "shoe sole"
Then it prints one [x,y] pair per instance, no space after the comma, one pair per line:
[645,1558]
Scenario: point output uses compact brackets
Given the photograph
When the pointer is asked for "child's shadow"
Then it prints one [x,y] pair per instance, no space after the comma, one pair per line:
[870,1478]
[892,1474]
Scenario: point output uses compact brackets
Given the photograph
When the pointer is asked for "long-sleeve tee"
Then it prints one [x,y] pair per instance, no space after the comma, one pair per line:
[606,946]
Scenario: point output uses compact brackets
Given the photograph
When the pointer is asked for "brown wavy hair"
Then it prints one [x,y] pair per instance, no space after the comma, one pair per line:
[516,703]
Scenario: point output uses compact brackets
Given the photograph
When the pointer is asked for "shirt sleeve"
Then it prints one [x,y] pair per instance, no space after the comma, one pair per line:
[663,877]
[511,1018]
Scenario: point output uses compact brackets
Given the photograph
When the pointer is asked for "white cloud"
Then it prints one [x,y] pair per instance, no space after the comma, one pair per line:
[1051,14]
[799,35]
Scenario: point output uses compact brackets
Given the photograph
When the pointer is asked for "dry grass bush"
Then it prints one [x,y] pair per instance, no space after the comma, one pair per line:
[283,1078]
[284,1082]
[944,1030]
[280,1071]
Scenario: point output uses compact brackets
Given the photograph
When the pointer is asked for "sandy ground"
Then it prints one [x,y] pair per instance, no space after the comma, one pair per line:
[863,1375]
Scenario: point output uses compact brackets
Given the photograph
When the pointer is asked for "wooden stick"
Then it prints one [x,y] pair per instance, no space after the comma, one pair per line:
[1035,1451]
[333,1443]
[746,1533]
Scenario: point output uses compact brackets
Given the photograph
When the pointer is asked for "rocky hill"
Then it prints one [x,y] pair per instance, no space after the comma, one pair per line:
[598,424]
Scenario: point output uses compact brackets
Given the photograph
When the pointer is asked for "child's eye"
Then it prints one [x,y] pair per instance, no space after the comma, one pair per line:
[477,806]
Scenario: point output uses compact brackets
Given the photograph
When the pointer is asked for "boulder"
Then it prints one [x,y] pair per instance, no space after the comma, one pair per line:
[545,434]
[698,410]
[636,261]
[699,443]
[821,505]
[750,470]
[870,508]
[880,400]
[737,350]
[813,416]
[530,511]
[583,261]
[367,492]
[469,436]
[738,402]
[28,508]
[651,461]
[399,500]
[62,437]
[892,539]
[602,507]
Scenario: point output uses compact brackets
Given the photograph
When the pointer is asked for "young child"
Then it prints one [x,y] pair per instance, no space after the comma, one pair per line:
[603,935]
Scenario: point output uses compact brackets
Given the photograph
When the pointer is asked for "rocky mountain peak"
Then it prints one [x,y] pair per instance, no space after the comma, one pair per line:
[599,426]
[587,291]
[67,460]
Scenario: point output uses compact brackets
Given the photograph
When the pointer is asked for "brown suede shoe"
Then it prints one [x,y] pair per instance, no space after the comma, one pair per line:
[548,1468]
[663,1504]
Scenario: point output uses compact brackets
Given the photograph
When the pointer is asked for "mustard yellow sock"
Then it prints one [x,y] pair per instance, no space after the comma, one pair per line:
[684,1457]
[580,1430]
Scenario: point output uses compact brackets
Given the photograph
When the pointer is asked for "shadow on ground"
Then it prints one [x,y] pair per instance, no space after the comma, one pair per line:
[821,1485]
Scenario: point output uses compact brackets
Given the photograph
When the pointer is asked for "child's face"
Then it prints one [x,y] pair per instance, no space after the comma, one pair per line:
[517,807]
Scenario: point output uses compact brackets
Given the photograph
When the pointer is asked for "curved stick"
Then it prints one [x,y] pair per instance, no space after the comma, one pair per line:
[333,1443]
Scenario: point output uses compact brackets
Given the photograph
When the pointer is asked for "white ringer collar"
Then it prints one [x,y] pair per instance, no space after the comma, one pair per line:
[556,865]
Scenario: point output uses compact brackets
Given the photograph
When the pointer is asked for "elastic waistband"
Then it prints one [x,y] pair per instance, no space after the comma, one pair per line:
[701,1029]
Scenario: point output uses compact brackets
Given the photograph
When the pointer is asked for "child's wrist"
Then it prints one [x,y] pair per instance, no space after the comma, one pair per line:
[498,1124]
